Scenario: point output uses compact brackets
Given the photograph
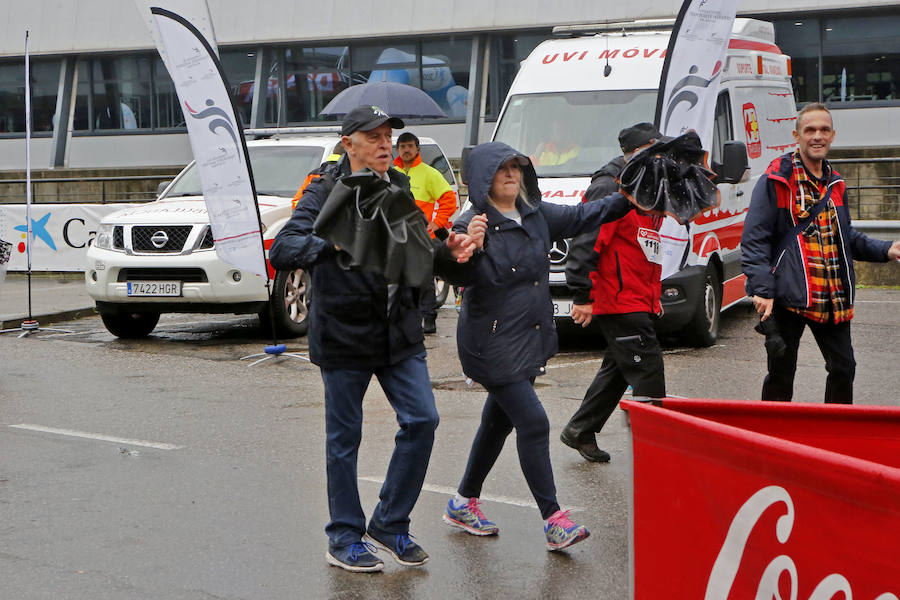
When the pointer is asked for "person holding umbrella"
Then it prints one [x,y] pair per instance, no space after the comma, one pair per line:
[362,325]
[506,334]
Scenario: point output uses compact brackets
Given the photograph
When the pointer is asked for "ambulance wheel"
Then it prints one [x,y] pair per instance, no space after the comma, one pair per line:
[441,291]
[703,328]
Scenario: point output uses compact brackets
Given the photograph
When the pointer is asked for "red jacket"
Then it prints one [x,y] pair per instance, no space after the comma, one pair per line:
[626,280]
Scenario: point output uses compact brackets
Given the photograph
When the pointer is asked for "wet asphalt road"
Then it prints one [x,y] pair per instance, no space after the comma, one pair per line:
[230,503]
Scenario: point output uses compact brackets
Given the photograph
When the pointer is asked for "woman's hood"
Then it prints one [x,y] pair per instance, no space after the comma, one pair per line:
[482,165]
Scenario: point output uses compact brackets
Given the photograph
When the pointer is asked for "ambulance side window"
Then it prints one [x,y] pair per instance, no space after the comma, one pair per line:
[722,126]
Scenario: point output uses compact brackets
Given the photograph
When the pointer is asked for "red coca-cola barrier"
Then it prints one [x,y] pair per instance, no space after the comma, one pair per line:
[754,500]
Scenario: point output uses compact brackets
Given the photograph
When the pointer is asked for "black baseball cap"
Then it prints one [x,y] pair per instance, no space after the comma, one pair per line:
[639,135]
[366,118]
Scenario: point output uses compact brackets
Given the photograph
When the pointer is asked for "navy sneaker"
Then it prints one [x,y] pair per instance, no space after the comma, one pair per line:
[400,545]
[357,557]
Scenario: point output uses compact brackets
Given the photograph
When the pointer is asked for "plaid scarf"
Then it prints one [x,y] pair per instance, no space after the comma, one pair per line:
[819,242]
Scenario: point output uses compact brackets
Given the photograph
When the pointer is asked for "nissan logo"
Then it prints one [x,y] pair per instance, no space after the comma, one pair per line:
[159,239]
[558,252]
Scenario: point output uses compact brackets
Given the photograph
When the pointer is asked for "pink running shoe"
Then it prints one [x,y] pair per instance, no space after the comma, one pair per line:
[562,532]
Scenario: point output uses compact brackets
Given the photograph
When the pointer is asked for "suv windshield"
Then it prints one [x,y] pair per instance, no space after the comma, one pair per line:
[277,171]
[572,134]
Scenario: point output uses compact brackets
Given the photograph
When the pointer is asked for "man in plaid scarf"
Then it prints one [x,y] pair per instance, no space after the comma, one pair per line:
[798,248]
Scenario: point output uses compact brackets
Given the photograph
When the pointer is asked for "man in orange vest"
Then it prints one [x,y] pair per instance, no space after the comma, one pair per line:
[435,198]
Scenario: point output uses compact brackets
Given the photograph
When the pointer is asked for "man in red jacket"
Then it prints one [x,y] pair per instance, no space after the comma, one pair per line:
[615,276]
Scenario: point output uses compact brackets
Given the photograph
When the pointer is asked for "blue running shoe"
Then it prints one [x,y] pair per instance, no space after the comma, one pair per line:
[399,545]
[561,532]
[469,517]
[357,557]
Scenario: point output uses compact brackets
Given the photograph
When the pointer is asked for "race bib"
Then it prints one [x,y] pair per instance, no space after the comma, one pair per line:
[648,240]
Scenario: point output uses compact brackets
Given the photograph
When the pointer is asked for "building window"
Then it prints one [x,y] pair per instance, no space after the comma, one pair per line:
[507,52]
[861,58]
[314,77]
[44,84]
[166,108]
[858,57]
[239,65]
[445,73]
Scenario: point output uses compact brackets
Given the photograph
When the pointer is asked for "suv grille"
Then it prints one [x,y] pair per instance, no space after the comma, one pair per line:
[207,241]
[159,238]
[118,242]
[192,275]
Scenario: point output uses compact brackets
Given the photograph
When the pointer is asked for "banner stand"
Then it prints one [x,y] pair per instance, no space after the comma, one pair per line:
[29,325]
[275,349]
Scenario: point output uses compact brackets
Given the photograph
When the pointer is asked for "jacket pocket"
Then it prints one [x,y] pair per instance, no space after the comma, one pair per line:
[791,286]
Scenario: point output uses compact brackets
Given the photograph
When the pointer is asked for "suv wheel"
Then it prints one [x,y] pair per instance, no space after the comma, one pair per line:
[289,304]
[130,326]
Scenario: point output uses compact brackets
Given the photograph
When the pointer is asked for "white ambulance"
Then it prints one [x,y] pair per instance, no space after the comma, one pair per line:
[573,95]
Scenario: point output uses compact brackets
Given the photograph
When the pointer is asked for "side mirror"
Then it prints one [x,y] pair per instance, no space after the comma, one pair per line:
[162,187]
[735,167]
[463,176]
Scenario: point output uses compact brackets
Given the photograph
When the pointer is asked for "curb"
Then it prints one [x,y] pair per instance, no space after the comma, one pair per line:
[59,317]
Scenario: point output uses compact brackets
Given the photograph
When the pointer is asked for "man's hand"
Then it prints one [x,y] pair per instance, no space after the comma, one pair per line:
[582,314]
[432,228]
[894,250]
[461,246]
[476,229]
[763,306]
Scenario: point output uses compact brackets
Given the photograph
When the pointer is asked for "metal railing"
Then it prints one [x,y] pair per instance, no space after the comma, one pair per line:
[873,186]
[83,190]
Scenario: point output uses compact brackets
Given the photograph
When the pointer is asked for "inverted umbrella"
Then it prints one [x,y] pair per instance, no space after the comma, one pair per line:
[396,99]
[378,227]
[670,177]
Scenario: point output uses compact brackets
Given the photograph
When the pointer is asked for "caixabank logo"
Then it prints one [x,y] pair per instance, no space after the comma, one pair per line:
[38,232]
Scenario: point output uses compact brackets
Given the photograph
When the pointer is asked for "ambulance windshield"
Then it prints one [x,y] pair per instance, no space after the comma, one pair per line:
[572,134]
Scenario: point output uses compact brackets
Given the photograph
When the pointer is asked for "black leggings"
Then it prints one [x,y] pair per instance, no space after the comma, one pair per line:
[508,406]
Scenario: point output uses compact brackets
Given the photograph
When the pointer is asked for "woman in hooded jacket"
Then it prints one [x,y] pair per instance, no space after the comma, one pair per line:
[506,334]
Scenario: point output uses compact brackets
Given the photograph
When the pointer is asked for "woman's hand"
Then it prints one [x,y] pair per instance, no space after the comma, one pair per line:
[476,229]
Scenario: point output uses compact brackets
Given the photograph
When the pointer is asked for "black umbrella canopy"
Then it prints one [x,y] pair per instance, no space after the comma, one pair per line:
[396,99]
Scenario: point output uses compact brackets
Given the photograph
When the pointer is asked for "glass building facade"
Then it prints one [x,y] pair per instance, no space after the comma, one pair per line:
[845,58]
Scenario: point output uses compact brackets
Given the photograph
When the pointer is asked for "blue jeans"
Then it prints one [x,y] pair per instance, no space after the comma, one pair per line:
[513,406]
[408,389]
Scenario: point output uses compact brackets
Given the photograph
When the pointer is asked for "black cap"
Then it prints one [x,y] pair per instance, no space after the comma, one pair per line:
[638,135]
[366,118]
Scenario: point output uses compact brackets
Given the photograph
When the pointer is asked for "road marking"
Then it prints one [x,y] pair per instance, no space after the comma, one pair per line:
[448,491]
[96,436]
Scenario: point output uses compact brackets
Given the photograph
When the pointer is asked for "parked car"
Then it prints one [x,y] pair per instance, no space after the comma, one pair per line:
[160,257]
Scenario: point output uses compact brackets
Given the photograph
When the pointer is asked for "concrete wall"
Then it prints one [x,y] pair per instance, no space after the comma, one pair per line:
[60,26]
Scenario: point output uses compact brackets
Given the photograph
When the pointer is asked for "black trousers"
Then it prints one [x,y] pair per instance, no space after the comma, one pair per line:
[428,301]
[633,356]
[834,343]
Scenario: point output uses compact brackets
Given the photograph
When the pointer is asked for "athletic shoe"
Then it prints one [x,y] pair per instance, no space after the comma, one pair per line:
[561,532]
[399,545]
[356,557]
[469,517]
[585,443]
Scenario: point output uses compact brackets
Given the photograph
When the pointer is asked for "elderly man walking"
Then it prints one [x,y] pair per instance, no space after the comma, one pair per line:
[362,325]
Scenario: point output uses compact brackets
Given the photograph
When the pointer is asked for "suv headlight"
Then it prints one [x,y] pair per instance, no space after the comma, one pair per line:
[104,237]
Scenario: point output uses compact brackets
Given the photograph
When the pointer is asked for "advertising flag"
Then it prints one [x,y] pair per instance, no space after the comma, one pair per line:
[216,139]
[688,89]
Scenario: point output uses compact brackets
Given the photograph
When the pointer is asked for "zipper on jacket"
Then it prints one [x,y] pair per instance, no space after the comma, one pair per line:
[494,326]
[778,262]
[619,274]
